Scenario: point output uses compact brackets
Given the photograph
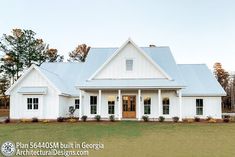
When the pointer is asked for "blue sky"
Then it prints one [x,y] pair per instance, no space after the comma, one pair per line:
[197,31]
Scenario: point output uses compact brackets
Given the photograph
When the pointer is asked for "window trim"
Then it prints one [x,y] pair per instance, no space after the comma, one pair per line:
[199,106]
[147,105]
[132,65]
[111,105]
[77,104]
[166,105]
[32,104]
[93,106]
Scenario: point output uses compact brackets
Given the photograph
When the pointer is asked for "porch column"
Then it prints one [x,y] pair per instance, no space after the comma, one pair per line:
[80,105]
[99,105]
[180,105]
[119,105]
[159,102]
[139,104]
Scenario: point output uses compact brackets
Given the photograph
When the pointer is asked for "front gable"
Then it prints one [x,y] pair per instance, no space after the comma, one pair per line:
[143,66]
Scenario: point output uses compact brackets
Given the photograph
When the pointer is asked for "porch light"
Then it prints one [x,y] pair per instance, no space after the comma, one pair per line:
[117,98]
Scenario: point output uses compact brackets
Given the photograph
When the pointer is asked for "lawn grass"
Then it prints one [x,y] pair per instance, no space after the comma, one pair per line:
[137,139]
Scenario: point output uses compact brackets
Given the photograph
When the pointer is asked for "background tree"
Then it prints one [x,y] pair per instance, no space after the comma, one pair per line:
[223,78]
[80,53]
[4,85]
[22,49]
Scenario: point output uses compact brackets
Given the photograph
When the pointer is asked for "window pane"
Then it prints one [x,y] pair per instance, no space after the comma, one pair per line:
[129,64]
[35,103]
[166,106]
[199,106]
[147,109]
[29,103]
[93,109]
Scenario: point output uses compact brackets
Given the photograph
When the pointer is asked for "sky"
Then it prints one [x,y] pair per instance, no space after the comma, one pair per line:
[197,31]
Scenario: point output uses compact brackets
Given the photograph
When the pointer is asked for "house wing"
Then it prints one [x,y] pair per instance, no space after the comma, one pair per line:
[26,73]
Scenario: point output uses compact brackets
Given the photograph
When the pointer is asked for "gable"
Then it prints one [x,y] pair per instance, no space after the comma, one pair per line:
[143,67]
[31,78]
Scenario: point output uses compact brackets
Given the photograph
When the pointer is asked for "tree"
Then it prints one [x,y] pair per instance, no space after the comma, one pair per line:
[79,54]
[4,85]
[223,78]
[22,49]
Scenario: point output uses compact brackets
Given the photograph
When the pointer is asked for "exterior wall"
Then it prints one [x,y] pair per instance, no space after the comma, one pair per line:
[142,67]
[48,104]
[64,104]
[211,107]
[174,103]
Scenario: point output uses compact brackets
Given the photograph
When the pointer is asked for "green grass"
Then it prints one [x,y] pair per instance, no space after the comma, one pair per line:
[133,138]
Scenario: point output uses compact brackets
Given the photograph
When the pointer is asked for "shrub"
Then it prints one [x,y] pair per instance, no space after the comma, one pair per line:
[45,121]
[197,119]
[161,119]
[97,117]
[60,119]
[145,118]
[212,121]
[7,120]
[209,118]
[35,119]
[175,119]
[226,120]
[112,118]
[71,111]
[72,120]
[84,118]
[25,120]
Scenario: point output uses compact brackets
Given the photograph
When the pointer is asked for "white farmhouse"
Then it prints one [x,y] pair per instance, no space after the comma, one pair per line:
[127,82]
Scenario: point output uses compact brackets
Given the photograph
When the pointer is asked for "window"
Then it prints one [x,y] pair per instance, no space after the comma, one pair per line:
[93,103]
[32,103]
[111,103]
[29,103]
[147,105]
[129,64]
[199,106]
[166,105]
[77,102]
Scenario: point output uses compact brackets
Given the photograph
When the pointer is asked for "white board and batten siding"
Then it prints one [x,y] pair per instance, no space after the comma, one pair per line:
[142,67]
[211,107]
[48,104]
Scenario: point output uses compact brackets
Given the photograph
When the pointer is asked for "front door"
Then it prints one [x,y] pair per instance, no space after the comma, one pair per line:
[129,107]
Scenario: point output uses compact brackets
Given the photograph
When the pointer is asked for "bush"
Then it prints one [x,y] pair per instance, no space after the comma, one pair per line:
[145,118]
[161,119]
[60,119]
[45,121]
[7,120]
[226,120]
[84,118]
[72,120]
[34,120]
[209,118]
[175,119]
[112,118]
[212,121]
[97,117]
[71,111]
[197,119]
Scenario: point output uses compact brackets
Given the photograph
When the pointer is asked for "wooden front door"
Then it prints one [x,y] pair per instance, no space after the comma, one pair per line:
[129,107]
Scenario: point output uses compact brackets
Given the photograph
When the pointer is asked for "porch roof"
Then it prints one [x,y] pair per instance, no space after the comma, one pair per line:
[130,83]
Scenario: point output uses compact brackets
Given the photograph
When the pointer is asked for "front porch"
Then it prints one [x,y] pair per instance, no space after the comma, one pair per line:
[131,104]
